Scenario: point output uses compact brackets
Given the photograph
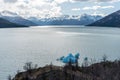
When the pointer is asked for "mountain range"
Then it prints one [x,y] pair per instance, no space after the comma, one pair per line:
[10,19]
[66,20]
[112,20]
[84,19]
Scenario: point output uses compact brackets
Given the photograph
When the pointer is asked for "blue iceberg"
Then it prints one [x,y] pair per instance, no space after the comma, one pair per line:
[70,58]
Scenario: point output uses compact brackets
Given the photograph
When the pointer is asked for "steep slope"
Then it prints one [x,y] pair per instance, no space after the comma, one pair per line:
[19,20]
[6,24]
[14,18]
[112,20]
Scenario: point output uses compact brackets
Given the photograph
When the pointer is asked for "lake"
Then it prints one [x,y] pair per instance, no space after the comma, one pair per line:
[44,44]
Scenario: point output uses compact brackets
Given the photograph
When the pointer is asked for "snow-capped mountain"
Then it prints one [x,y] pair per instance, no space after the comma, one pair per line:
[66,20]
[84,19]
[15,18]
[112,20]
[90,17]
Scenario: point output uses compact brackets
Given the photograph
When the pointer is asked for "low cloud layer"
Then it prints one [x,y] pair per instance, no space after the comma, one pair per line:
[97,7]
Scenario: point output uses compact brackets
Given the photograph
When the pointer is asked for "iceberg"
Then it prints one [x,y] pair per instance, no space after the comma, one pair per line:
[70,58]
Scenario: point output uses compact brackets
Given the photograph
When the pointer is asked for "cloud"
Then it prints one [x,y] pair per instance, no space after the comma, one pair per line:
[44,8]
[113,1]
[76,9]
[81,0]
[98,0]
[34,8]
[60,1]
[10,1]
[97,7]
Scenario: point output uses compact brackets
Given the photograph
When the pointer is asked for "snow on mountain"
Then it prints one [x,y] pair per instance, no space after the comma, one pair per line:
[61,20]
[66,20]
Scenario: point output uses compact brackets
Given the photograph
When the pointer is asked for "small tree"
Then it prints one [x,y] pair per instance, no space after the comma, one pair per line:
[92,61]
[18,71]
[9,77]
[51,66]
[104,58]
[85,62]
[29,66]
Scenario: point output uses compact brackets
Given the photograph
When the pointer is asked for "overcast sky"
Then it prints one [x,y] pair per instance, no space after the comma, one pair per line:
[54,8]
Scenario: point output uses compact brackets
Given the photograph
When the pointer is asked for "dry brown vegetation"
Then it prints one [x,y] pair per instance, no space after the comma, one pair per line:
[105,70]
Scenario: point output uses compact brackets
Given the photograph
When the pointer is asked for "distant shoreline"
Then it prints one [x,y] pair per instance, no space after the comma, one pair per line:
[62,26]
[15,27]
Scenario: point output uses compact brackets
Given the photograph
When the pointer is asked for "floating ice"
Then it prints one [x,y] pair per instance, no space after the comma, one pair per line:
[70,58]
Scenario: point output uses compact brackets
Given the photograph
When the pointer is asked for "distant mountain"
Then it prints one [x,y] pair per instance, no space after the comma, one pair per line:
[84,19]
[7,24]
[112,20]
[14,18]
[66,20]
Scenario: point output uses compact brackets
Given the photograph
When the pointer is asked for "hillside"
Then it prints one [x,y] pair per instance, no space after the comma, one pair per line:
[15,18]
[99,71]
[6,24]
[112,20]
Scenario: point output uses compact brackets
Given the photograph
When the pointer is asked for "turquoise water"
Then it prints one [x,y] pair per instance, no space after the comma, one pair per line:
[43,45]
